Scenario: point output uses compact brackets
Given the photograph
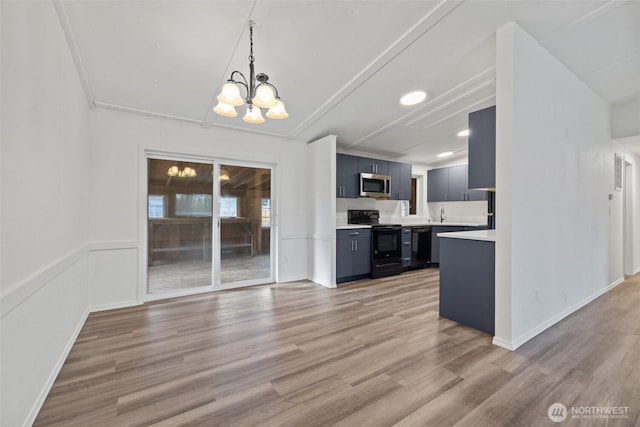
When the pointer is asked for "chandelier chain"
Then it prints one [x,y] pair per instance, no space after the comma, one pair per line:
[251,58]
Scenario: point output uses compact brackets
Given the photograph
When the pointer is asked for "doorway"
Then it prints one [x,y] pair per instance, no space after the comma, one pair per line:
[627,221]
[209,225]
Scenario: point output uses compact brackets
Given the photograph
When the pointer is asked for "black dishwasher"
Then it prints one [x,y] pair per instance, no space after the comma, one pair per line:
[420,247]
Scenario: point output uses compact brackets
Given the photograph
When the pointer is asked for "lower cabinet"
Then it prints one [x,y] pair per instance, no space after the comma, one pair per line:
[467,283]
[406,247]
[353,254]
[435,240]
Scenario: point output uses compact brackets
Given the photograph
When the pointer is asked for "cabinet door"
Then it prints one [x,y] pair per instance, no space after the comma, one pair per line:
[394,173]
[476,195]
[406,246]
[347,179]
[400,174]
[437,185]
[362,255]
[435,240]
[482,148]
[367,165]
[344,258]
[473,195]
[405,181]
[457,190]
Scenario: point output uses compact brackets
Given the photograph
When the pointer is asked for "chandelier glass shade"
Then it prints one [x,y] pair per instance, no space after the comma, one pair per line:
[260,94]
[187,172]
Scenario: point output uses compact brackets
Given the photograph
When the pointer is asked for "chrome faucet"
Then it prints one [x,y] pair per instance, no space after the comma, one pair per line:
[442,215]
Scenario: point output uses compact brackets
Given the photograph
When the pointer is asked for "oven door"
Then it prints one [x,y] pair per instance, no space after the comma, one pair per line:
[386,242]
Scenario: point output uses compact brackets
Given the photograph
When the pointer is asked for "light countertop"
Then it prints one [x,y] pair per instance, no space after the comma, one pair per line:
[413,223]
[485,235]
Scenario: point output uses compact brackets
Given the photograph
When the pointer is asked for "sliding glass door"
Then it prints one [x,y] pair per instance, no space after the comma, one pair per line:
[208,225]
[245,223]
[180,213]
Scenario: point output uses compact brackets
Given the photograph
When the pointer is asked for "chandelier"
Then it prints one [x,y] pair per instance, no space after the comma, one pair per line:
[187,172]
[260,94]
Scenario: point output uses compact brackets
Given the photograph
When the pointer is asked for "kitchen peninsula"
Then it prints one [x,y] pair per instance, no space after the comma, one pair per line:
[467,278]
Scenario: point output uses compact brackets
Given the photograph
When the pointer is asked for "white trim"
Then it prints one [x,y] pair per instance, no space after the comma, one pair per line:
[636,271]
[25,289]
[434,105]
[405,41]
[503,343]
[289,279]
[113,245]
[46,388]
[73,48]
[294,236]
[555,319]
[113,306]
[321,236]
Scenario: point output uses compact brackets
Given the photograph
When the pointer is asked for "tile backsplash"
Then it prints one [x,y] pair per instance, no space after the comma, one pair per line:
[459,211]
[472,212]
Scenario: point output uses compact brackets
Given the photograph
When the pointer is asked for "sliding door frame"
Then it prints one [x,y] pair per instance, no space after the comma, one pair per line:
[143,229]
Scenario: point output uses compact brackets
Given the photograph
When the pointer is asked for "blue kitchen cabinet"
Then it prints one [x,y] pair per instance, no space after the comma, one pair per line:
[437,185]
[400,174]
[482,149]
[467,283]
[451,185]
[435,240]
[375,166]
[457,185]
[347,176]
[353,254]
[406,247]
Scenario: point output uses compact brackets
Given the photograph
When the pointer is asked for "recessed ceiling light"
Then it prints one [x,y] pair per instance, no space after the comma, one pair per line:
[413,98]
[464,132]
[445,154]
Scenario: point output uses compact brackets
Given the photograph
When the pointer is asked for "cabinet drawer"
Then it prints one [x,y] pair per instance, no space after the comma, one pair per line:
[352,233]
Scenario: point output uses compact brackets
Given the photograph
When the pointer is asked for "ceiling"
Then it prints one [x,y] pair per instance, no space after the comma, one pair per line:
[341,66]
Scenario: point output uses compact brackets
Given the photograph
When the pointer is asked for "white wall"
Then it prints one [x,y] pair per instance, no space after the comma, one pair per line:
[321,203]
[625,118]
[119,141]
[554,174]
[44,216]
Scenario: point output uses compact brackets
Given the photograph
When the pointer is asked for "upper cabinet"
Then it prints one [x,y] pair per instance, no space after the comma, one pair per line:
[400,174]
[457,183]
[450,185]
[437,185]
[348,169]
[482,149]
[379,167]
[347,176]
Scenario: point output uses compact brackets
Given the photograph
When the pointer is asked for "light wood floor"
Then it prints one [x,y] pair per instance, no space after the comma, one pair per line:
[370,353]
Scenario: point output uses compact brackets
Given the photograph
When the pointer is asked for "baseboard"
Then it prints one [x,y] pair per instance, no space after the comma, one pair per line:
[558,317]
[503,343]
[35,409]
[636,271]
[288,279]
[122,304]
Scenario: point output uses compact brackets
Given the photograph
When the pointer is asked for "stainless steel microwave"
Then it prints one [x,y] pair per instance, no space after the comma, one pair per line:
[374,185]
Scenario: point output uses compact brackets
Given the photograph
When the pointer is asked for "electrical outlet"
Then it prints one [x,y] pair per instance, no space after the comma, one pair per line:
[565,296]
[536,294]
